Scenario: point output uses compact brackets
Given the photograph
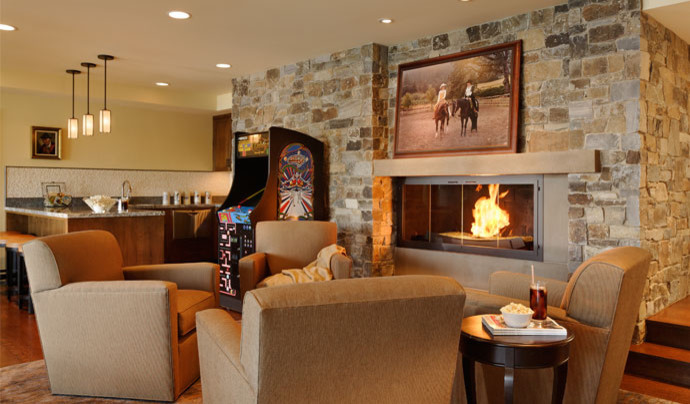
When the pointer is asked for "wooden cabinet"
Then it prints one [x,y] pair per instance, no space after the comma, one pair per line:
[222,142]
[189,232]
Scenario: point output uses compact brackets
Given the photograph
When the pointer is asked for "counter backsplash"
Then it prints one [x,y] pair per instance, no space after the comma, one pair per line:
[25,182]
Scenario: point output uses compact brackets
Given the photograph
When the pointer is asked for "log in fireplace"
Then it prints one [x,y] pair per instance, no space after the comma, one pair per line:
[490,215]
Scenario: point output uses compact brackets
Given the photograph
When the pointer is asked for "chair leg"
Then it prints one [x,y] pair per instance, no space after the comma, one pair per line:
[23,290]
[13,272]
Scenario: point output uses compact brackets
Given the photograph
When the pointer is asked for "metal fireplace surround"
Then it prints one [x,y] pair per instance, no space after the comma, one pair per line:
[436,213]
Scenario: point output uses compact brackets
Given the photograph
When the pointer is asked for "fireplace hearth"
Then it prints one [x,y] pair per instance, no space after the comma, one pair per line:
[487,215]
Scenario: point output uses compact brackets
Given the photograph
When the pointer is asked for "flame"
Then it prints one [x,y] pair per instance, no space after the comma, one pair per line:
[489,218]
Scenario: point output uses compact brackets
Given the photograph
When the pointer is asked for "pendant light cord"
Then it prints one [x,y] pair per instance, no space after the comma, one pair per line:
[72,95]
[105,84]
[88,80]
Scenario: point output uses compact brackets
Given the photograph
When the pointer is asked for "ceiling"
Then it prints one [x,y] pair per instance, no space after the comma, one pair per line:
[674,14]
[251,35]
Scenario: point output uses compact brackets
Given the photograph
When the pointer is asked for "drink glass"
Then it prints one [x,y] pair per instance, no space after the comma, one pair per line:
[537,301]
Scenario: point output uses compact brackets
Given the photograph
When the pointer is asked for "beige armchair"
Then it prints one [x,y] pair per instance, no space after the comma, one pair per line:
[599,304]
[367,340]
[287,245]
[110,331]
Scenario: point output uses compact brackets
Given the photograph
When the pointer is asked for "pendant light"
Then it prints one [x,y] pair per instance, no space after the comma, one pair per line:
[73,123]
[87,119]
[104,123]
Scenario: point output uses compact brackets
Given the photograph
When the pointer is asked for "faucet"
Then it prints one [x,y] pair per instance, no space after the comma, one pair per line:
[129,190]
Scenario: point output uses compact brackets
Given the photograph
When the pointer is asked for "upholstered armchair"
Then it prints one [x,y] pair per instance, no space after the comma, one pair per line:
[599,304]
[110,331]
[288,245]
[366,340]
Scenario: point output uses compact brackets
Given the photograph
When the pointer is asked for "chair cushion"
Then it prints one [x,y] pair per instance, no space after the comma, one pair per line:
[188,303]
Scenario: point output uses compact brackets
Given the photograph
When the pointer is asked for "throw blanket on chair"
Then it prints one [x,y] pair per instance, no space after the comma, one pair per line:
[317,271]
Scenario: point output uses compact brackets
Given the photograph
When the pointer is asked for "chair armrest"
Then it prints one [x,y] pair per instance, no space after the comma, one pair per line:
[222,374]
[253,269]
[194,275]
[341,266]
[516,286]
[481,302]
[97,324]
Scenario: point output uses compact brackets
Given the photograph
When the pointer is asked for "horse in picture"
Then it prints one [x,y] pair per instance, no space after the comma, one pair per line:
[466,113]
[441,115]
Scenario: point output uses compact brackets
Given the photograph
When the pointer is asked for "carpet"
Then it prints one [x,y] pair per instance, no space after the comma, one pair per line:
[28,383]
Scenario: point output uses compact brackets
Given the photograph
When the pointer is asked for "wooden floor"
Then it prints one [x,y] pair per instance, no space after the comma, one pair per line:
[19,340]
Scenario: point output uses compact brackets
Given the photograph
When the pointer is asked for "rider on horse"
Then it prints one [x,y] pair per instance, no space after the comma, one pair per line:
[441,109]
[469,93]
[441,102]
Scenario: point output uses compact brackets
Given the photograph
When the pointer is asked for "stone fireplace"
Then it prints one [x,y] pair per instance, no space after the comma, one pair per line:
[531,187]
[485,215]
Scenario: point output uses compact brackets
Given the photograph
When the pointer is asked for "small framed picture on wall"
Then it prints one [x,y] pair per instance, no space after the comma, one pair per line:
[46,142]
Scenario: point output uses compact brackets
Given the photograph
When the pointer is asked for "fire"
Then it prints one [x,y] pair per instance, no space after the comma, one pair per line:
[489,218]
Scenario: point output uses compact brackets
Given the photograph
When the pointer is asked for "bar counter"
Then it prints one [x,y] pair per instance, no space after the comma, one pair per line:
[140,233]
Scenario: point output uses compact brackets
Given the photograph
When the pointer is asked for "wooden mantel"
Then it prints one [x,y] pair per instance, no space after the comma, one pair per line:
[561,162]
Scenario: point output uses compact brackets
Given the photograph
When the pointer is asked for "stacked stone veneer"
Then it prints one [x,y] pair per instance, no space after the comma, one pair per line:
[337,99]
[580,89]
[665,161]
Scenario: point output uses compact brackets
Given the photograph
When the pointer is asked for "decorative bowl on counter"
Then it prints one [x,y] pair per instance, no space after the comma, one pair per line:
[57,200]
[100,203]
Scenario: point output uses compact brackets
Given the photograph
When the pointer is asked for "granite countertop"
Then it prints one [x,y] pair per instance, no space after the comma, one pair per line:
[172,206]
[80,213]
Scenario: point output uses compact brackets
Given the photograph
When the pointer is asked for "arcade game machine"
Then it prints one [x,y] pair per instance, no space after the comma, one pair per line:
[277,175]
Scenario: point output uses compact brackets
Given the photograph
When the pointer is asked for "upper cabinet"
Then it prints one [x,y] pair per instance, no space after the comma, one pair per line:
[222,142]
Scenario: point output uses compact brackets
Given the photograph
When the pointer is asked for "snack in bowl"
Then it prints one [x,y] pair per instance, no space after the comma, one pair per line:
[100,203]
[516,315]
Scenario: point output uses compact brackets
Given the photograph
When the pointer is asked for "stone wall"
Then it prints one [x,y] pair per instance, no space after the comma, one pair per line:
[665,161]
[580,89]
[336,99]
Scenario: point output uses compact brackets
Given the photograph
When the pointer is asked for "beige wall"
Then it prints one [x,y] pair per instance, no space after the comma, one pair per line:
[142,137]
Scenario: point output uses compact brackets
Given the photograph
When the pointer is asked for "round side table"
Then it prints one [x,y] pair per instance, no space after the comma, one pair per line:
[512,352]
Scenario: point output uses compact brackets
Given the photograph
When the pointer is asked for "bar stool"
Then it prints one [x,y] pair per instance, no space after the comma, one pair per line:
[18,283]
[3,242]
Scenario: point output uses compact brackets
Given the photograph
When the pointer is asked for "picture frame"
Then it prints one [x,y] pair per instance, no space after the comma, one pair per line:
[436,114]
[46,143]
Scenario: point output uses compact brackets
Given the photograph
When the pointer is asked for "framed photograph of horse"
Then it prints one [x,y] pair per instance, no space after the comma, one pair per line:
[464,103]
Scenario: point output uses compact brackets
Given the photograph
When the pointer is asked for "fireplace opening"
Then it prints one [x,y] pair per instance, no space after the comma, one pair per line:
[497,215]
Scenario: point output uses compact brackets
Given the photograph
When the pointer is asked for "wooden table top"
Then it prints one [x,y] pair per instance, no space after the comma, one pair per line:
[473,328]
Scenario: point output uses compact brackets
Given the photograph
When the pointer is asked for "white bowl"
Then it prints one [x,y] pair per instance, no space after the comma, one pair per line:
[100,203]
[515,320]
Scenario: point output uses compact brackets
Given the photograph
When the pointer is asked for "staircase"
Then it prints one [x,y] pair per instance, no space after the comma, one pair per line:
[664,358]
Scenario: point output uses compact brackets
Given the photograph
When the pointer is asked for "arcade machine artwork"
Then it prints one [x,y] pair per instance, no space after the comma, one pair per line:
[277,175]
[296,184]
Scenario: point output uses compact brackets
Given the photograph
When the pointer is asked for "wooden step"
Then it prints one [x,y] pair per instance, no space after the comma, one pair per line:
[653,388]
[659,362]
[671,326]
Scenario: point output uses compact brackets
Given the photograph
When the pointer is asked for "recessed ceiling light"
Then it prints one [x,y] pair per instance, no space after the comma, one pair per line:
[5,27]
[385,20]
[162,84]
[465,1]
[223,65]
[179,15]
